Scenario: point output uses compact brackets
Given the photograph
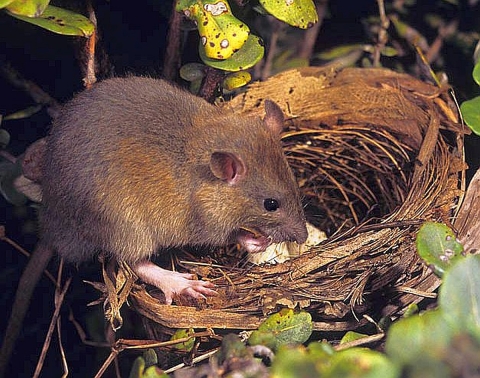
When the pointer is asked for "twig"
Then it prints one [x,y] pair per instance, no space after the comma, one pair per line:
[58,304]
[113,354]
[194,361]
[210,83]
[171,63]
[277,26]
[8,156]
[428,146]
[62,350]
[420,293]
[82,334]
[308,44]
[359,342]
[123,344]
[33,90]
[90,77]
[382,34]
[6,239]
[444,32]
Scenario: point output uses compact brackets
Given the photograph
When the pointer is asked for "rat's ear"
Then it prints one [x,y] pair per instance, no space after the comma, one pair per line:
[274,117]
[227,166]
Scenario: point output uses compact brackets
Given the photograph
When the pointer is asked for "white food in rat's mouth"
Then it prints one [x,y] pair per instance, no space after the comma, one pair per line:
[275,253]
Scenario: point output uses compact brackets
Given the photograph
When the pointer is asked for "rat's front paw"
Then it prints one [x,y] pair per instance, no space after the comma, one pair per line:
[173,283]
[184,284]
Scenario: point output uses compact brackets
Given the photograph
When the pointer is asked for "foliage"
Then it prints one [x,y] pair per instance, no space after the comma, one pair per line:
[430,344]
[221,33]
[440,342]
[57,20]
[184,333]
[9,171]
[299,13]
[246,57]
[227,44]
[438,246]
[320,360]
[471,108]
[284,327]
[145,366]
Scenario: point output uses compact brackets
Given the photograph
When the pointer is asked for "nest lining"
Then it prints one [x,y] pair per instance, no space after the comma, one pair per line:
[376,154]
[350,174]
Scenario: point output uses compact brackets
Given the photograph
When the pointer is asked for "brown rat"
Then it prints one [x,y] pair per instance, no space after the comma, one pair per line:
[135,165]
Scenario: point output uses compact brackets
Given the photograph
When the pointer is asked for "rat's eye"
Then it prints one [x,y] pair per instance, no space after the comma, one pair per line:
[271,204]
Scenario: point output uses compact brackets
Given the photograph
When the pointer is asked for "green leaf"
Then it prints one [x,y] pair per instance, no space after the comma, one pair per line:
[150,357]
[154,372]
[192,71]
[4,138]
[438,246]
[412,309]
[360,362]
[4,3]
[236,80]
[389,51]
[27,8]
[476,73]
[232,348]
[299,13]
[320,350]
[61,21]
[337,52]
[8,173]
[143,366]
[471,113]
[460,295]
[138,367]
[284,327]
[221,33]
[295,362]
[429,344]
[184,4]
[186,346]
[419,337]
[286,60]
[24,113]
[351,336]
[249,55]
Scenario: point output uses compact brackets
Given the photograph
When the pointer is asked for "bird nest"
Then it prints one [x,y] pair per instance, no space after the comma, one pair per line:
[376,153]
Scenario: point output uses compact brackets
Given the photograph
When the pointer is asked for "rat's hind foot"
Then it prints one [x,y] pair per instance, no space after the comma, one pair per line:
[173,283]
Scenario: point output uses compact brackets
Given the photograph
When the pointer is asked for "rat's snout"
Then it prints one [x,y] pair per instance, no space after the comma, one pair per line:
[300,233]
[293,233]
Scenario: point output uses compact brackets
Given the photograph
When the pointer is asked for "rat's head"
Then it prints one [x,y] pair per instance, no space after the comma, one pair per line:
[251,196]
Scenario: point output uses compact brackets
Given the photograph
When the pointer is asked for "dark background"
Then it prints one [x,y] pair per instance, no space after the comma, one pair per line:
[134,36]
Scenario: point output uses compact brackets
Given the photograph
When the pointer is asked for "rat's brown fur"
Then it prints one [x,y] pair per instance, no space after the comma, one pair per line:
[128,172]
[135,165]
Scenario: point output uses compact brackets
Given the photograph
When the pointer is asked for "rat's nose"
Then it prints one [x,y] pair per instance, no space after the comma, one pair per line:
[298,233]
[301,233]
